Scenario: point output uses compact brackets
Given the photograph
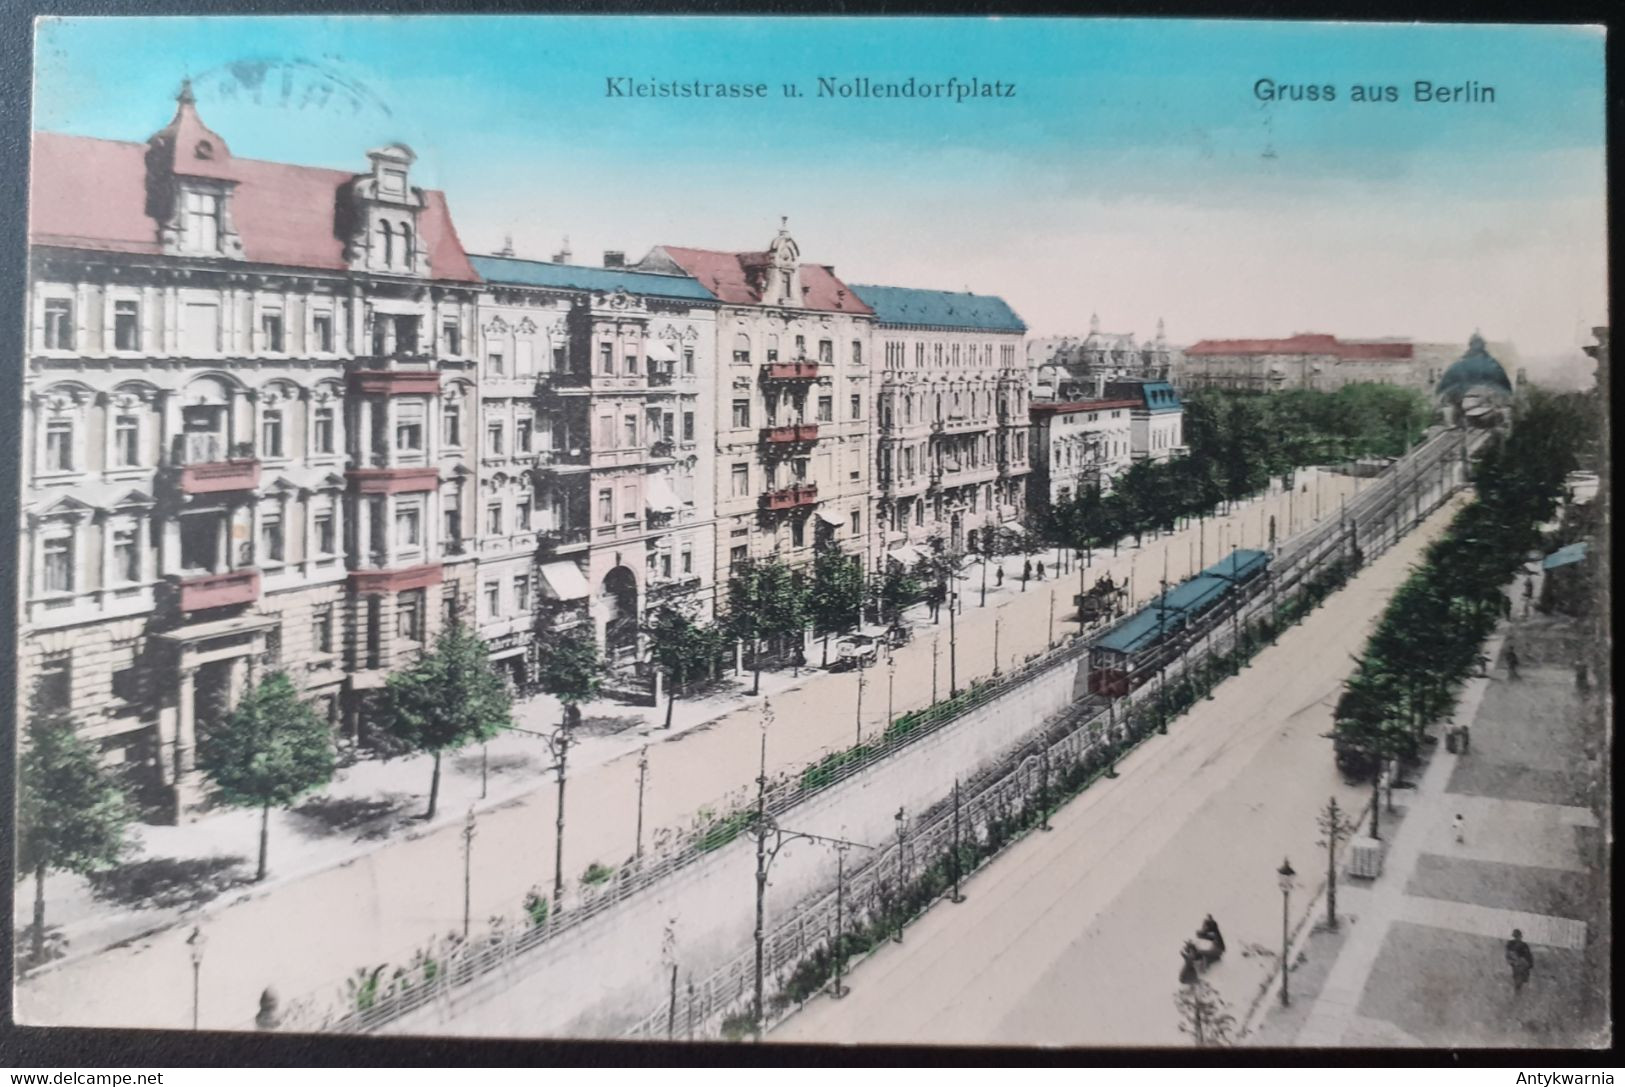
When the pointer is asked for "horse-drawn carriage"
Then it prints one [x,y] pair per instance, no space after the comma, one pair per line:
[1107,600]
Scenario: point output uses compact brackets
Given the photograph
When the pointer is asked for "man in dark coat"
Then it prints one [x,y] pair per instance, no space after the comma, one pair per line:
[1521,959]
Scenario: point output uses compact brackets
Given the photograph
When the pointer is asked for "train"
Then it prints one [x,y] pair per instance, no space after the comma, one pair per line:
[1131,653]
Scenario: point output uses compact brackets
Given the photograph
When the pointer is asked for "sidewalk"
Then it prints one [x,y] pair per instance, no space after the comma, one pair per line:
[1419,958]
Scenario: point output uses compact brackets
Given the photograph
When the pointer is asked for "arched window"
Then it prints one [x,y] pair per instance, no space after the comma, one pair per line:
[742,348]
[386,234]
[406,247]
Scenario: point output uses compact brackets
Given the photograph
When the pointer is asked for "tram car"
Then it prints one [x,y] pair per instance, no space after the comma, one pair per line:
[1125,657]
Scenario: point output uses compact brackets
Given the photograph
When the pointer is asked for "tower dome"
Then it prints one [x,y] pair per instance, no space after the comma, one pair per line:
[1476,372]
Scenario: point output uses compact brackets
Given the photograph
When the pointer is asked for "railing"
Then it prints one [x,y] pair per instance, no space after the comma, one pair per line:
[799,370]
[556,538]
[800,494]
[794,433]
[219,590]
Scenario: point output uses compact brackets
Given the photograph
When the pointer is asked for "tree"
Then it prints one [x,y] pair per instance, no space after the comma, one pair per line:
[451,697]
[765,599]
[571,669]
[71,814]
[681,646]
[1335,825]
[270,750]
[1365,721]
[836,592]
[1204,1015]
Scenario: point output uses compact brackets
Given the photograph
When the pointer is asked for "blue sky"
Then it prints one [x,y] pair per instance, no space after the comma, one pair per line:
[1135,173]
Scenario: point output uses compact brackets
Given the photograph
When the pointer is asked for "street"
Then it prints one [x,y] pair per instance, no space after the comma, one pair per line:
[304,936]
[1073,937]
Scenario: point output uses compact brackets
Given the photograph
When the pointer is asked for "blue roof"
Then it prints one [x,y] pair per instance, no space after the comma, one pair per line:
[1155,395]
[1565,556]
[537,273]
[1168,611]
[943,309]
[1240,564]
[1137,631]
[1477,368]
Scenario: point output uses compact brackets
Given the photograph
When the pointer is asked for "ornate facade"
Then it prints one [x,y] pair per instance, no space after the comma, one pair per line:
[1073,368]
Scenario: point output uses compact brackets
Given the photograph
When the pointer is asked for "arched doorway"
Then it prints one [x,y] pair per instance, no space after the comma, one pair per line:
[619,595]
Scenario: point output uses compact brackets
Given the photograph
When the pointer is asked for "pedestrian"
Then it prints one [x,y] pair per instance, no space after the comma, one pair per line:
[1458,828]
[1512,661]
[1464,734]
[999,578]
[1521,959]
[1040,569]
[1026,572]
[1528,593]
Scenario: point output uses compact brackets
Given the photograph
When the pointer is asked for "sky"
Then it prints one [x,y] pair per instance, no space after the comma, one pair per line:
[1134,173]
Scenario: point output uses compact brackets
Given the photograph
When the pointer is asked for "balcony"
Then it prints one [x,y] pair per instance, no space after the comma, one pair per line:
[233,587]
[799,370]
[217,476]
[562,461]
[557,541]
[791,497]
[663,449]
[795,434]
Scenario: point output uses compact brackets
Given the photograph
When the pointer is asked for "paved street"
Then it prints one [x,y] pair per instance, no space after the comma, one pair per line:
[1073,937]
[1422,961]
[366,903]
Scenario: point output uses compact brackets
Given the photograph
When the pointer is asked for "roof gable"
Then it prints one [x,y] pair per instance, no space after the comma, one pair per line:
[724,275]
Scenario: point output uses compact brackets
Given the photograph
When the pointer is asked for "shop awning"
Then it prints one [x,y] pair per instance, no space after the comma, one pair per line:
[660,351]
[661,498]
[563,581]
[1565,556]
[831,519]
[906,556]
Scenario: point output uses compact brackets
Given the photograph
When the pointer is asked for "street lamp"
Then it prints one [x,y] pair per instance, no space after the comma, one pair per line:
[194,946]
[1285,874]
[891,683]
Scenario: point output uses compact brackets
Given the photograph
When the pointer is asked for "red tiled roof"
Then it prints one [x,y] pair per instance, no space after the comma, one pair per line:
[88,193]
[723,274]
[1305,343]
[1072,407]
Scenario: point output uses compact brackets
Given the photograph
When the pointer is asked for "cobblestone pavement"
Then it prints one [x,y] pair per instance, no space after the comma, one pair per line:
[1421,959]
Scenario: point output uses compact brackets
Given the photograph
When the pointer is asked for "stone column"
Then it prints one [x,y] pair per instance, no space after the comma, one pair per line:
[185,723]
[363,531]
[364,436]
[238,683]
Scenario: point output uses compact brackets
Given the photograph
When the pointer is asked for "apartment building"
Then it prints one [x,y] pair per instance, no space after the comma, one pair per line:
[1077,446]
[229,457]
[597,465]
[792,393]
[952,396]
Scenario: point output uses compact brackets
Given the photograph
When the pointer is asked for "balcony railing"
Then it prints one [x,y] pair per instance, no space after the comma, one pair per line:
[786,498]
[794,434]
[799,370]
[558,539]
[203,591]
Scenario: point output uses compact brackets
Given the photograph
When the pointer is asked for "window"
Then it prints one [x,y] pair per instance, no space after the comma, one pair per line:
[200,226]
[451,605]
[857,406]
[629,502]
[688,426]
[801,347]
[126,441]
[408,526]
[606,358]
[493,599]
[58,553]
[493,518]
[202,328]
[127,685]
[741,413]
[451,424]
[772,349]
[56,680]
[126,326]
[521,592]
[409,615]
[322,629]
[451,335]
[629,431]
[271,332]
[522,435]
[495,365]
[606,431]
[606,506]
[58,324]
[558,358]
[270,537]
[857,352]
[321,430]
[826,409]
[454,530]
[271,433]
[688,360]
[857,521]
[493,437]
[409,428]
[126,554]
[826,351]
[738,556]
[742,348]
[798,533]
[688,561]
[59,445]
[665,565]
[321,331]
[521,515]
[631,364]
[322,528]
[741,480]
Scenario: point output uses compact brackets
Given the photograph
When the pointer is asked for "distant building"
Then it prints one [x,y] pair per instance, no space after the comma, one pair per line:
[951,450]
[1304,361]
[1072,368]
[1158,418]
[1078,445]
[1475,389]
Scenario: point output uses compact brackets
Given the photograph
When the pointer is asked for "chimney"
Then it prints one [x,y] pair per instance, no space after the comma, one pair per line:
[507,246]
[563,255]
[1100,386]
[614,258]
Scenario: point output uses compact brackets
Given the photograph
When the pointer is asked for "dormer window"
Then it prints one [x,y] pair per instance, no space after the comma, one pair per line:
[200,225]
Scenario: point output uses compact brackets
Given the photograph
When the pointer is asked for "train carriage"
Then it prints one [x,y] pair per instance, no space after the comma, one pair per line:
[1129,654]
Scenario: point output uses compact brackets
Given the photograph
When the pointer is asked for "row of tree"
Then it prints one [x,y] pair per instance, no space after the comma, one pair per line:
[1237,441]
[1430,636]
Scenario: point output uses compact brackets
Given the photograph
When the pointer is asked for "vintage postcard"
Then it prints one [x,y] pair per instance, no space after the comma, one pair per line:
[1048,532]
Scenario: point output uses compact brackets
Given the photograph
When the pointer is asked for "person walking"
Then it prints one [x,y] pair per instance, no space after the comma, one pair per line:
[1521,959]
[1026,573]
[1464,734]
[1040,569]
[998,578]
[1528,593]
[1458,827]
[1512,661]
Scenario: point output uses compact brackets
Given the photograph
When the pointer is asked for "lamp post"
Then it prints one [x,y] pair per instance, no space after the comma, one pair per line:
[863,681]
[996,645]
[468,865]
[1285,874]
[643,775]
[891,685]
[936,648]
[558,745]
[194,947]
